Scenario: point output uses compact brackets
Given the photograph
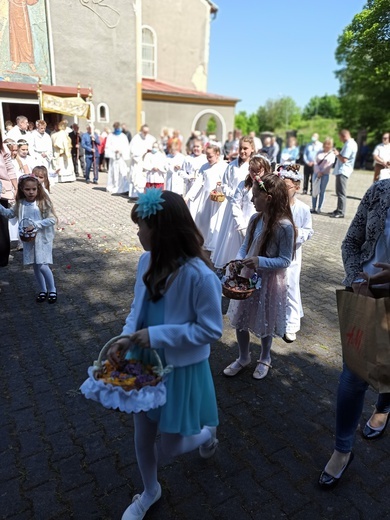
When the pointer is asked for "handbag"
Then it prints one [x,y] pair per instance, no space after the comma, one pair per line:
[365,337]
[316,186]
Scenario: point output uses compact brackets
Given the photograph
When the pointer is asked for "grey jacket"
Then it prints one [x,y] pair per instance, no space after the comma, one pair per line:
[366,227]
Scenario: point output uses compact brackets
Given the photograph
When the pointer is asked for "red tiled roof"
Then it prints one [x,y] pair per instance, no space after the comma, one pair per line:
[151,85]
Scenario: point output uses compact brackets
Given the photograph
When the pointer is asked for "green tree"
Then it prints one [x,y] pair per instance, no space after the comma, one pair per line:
[241,121]
[278,113]
[211,127]
[323,106]
[363,52]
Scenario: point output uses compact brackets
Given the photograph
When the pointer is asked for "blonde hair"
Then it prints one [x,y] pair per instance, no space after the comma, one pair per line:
[329,140]
[43,200]
[42,169]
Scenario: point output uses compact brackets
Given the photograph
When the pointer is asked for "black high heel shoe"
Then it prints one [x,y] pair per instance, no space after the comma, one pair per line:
[327,481]
[370,433]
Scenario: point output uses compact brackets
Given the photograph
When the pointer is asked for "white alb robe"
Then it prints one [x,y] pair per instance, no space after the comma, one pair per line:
[139,145]
[209,176]
[234,226]
[117,150]
[233,175]
[303,223]
[174,180]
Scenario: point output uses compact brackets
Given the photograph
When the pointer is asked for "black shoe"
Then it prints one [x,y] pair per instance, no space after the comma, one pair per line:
[304,192]
[333,212]
[87,181]
[337,215]
[326,481]
[95,182]
[314,211]
[370,434]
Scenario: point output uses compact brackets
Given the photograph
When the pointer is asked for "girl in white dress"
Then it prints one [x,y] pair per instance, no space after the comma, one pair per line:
[210,175]
[24,158]
[236,172]
[32,202]
[193,164]
[175,161]
[238,212]
[155,167]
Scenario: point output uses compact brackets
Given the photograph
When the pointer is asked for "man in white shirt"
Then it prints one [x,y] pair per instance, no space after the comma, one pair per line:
[41,146]
[381,155]
[19,131]
[343,170]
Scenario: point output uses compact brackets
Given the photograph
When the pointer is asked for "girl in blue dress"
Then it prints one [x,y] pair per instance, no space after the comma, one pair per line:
[177,311]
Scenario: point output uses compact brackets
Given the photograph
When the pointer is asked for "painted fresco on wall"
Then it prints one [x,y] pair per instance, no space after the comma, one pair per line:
[24,43]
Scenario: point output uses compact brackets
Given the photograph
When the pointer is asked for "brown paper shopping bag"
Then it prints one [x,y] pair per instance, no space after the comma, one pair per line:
[365,337]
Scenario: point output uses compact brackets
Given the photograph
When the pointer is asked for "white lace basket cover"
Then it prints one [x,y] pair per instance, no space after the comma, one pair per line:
[130,401]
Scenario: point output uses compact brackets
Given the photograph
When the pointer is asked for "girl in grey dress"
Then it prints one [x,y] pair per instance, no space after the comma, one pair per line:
[33,203]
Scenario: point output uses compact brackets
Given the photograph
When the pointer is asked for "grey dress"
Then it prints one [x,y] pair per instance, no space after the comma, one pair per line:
[39,251]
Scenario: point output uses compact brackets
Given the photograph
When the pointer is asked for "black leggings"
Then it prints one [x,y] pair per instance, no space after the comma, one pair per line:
[5,245]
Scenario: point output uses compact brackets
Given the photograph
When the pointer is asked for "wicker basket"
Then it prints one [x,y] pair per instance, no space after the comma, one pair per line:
[126,395]
[237,294]
[27,236]
[233,292]
[217,196]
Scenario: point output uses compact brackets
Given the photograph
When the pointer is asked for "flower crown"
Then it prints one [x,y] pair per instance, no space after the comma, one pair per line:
[280,168]
[149,203]
[27,176]
[261,156]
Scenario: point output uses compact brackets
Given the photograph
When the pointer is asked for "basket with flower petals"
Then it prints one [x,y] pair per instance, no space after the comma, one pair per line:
[237,287]
[27,230]
[132,386]
[216,195]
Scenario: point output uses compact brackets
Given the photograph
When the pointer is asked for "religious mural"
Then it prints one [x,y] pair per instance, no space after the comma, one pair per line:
[24,42]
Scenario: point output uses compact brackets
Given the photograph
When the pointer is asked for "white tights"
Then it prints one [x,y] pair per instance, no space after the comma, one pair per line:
[44,277]
[172,445]
[243,347]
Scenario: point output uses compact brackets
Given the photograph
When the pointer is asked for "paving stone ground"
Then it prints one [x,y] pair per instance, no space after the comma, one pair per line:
[63,457]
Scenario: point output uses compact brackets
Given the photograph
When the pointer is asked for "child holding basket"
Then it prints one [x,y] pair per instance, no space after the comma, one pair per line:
[177,311]
[267,251]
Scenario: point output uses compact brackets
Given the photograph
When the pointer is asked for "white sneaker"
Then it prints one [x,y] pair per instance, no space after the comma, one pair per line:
[208,449]
[289,337]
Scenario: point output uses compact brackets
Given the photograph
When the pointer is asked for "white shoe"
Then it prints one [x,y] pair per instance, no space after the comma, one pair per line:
[208,449]
[261,370]
[234,368]
[136,510]
[289,337]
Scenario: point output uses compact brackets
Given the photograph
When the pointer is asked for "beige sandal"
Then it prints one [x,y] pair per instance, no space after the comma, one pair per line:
[261,370]
[231,370]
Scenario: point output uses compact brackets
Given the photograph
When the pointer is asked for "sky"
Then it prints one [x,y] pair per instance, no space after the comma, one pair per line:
[267,49]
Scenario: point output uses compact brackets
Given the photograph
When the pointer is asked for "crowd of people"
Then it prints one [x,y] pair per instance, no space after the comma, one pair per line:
[201,207]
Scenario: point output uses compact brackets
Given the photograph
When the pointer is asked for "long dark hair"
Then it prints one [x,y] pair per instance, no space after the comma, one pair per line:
[175,238]
[278,209]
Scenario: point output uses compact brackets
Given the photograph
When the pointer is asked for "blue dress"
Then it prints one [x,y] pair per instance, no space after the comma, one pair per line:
[191,401]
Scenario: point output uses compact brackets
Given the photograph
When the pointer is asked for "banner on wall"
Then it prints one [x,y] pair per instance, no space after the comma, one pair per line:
[69,106]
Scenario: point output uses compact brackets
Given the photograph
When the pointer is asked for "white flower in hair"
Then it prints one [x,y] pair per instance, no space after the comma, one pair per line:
[149,203]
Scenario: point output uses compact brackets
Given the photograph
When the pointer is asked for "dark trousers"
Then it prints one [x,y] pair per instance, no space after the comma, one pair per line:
[90,163]
[5,245]
[307,177]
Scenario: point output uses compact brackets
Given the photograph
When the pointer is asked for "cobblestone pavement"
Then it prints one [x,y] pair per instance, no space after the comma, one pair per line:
[63,457]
